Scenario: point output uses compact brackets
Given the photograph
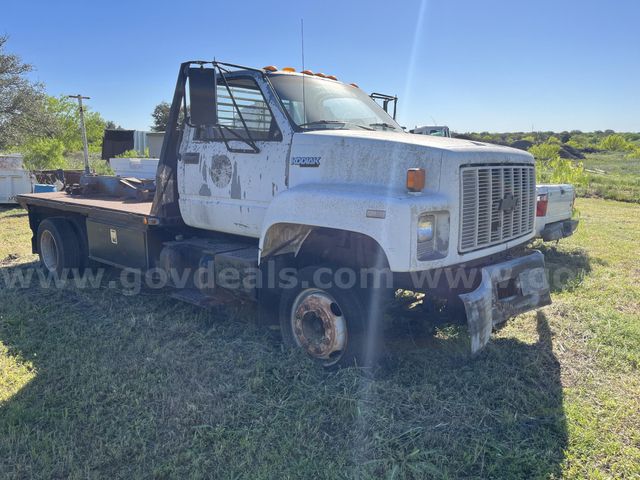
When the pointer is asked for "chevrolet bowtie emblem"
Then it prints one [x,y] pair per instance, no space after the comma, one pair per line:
[508,203]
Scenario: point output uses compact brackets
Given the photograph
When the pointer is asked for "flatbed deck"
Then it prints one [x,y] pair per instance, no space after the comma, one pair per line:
[94,205]
[102,202]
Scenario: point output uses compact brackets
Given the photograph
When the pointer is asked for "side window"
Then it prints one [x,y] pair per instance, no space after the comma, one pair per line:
[251,106]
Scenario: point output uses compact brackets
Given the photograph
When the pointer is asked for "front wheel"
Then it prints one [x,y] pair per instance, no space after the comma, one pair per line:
[335,326]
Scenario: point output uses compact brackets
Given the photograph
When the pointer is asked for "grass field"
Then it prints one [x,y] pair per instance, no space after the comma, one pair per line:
[94,383]
[619,180]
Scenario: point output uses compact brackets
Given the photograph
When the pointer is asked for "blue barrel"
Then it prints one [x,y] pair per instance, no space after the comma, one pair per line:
[43,188]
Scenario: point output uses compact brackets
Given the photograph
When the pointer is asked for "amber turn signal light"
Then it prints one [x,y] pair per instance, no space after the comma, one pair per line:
[415,179]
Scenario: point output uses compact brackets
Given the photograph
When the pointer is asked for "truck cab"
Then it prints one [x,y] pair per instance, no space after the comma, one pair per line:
[295,148]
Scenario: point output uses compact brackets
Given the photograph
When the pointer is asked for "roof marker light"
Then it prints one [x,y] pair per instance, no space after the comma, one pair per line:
[332,77]
[307,72]
[354,85]
[289,69]
[270,68]
[319,74]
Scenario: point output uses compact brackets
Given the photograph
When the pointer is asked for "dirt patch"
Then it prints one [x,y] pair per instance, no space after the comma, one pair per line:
[12,257]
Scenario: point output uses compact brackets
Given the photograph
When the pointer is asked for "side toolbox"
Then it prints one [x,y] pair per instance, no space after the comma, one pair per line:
[116,244]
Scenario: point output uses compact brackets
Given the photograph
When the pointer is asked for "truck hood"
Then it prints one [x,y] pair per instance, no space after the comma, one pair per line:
[382,158]
[428,141]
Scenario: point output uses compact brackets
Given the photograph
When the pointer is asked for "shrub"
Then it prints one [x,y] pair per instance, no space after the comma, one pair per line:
[44,154]
[545,151]
[101,167]
[634,154]
[560,170]
[134,154]
[615,143]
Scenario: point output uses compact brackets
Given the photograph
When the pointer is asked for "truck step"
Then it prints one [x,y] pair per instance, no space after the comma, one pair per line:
[243,261]
[195,297]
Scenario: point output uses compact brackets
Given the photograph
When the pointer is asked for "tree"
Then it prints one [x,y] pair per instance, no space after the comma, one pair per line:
[161,117]
[46,150]
[111,125]
[44,154]
[67,124]
[22,103]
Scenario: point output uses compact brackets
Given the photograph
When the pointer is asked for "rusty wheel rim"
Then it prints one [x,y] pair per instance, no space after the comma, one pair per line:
[319,326]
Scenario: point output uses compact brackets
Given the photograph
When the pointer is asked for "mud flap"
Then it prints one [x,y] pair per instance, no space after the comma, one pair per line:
[487,307]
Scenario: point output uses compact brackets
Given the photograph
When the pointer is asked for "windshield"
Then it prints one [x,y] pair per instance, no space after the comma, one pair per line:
[330,105]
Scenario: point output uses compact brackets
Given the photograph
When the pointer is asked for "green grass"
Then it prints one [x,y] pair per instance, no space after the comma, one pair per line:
[612,176]
[97,384]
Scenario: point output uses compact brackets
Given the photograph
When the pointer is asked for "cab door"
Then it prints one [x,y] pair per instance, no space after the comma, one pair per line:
[231,172]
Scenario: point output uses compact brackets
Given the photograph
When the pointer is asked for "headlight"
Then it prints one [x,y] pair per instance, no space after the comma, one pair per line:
[426,225]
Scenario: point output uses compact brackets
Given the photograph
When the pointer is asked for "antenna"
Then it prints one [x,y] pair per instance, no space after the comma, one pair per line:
[304,108]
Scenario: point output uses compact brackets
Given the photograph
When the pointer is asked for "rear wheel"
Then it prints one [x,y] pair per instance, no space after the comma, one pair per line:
[58,245]
[334,326]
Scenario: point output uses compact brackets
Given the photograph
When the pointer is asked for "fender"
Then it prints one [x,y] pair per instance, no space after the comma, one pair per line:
[387,216]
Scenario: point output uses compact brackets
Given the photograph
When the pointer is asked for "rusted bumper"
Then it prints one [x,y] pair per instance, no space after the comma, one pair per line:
[506,290]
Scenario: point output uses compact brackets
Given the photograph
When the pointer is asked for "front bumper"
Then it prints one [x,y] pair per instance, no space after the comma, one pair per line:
[506,289]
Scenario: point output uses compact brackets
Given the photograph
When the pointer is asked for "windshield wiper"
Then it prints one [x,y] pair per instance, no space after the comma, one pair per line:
[321,122]
[333,122]
[382,124]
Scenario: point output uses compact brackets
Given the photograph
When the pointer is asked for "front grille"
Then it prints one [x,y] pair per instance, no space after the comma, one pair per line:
[497,205]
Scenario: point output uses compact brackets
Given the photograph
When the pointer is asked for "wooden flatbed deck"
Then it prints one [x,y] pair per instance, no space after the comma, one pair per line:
[85,204]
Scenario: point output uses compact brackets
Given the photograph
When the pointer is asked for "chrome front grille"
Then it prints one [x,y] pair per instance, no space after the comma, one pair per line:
[497,205]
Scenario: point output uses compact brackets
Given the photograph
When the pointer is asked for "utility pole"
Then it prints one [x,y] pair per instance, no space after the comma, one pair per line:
[84,131]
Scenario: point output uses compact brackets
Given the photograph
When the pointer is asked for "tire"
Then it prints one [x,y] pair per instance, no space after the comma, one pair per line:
[336,327]
[58,246]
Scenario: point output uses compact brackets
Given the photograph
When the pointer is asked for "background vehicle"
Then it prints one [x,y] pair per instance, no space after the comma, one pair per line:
[554,211]
[306,180]
[14,179]
[435,130]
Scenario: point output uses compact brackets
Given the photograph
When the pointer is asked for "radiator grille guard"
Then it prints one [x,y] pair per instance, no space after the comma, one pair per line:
[497,204]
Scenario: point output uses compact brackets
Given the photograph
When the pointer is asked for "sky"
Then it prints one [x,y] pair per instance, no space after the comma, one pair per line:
[472,65]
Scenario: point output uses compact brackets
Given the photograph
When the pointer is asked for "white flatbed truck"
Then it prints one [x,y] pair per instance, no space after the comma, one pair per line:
[308,182]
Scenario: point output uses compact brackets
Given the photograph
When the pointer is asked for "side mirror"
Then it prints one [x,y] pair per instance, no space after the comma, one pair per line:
[202,96]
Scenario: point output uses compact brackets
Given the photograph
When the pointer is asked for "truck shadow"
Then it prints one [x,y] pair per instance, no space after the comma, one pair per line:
[141,386]
[504,404]
[566,268]
[10,211]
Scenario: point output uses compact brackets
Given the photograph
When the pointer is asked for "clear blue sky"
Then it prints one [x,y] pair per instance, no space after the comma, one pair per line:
[473,65]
